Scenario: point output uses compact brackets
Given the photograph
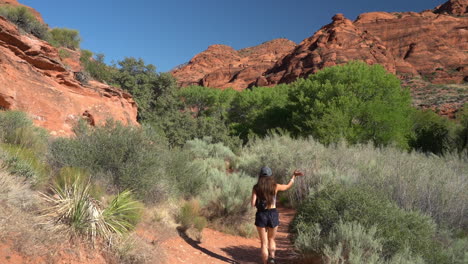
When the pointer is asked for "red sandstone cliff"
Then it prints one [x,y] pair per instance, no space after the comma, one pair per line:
[35,80]
[222,67]
[432,44]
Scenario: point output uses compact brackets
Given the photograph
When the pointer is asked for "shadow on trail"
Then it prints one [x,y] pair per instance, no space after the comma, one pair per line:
[195,244]
[244,255]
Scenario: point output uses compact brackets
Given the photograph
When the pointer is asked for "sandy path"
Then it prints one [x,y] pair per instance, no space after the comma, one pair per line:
[217,247]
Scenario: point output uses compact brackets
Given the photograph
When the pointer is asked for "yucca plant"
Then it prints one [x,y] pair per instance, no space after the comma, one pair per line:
[72,205]
[122,214]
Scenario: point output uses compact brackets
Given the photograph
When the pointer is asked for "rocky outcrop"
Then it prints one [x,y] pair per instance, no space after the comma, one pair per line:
[35,80]
[432,45]
[336,43]
[221,66]
[453,7]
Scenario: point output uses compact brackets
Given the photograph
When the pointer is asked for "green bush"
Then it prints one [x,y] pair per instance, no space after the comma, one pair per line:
[395,227]
[352,243]
[64,37]
[16,128]
[462,133]
[224,196]
[357,102]
[25,20]
[24,162]
[128,157]
[432,133]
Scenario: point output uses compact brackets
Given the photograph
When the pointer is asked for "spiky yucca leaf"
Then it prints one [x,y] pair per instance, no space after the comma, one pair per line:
[122,214]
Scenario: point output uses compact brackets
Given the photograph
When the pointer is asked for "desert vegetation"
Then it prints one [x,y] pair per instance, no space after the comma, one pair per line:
[385,183]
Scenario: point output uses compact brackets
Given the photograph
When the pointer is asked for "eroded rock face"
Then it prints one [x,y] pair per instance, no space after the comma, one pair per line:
[432,44]
[34,79]
[454,7]
[423,44]
[336,43]
[222,67]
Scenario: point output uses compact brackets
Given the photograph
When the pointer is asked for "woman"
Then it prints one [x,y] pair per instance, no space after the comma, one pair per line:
[266,219]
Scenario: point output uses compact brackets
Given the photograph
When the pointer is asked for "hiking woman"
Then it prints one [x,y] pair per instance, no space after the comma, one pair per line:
[266,219]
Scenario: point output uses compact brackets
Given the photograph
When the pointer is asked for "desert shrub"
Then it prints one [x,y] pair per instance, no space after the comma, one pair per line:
[16,128]
[71,204]
[432,133]
[64,37]
[190,216]
[348,242]
[25,163]
[25,20]
[224,196]
[434,185]
[129,157]
[396,228]
[352,243]
[357,102]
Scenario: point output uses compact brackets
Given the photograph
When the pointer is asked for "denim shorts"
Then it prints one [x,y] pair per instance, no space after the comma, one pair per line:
[267,218]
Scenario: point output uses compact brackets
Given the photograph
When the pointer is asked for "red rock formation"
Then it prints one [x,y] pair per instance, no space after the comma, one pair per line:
[33,79]
[431,44]
[336,43]
[426,44]
[454,7]
[15,3]
[222,67]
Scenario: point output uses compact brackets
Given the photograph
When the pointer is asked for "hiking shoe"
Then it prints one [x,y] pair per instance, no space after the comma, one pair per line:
[271,261]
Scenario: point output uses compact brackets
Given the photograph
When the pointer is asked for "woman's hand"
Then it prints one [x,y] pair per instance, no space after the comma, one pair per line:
[298,173]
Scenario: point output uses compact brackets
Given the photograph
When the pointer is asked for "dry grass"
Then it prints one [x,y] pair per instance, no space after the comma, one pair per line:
[134,249]
[19,223]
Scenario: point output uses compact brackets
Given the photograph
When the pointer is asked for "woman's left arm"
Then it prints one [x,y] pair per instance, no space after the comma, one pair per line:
[254,198]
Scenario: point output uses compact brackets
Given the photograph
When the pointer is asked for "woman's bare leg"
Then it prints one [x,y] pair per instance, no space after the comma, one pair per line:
[271,241]
[264,243]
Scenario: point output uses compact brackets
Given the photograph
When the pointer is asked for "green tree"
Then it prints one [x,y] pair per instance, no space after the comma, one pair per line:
[257,110]
[144,83]
[355,101]
[193,112]
[96,67]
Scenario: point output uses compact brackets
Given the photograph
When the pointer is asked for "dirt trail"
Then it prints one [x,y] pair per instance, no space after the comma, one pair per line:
[217,247]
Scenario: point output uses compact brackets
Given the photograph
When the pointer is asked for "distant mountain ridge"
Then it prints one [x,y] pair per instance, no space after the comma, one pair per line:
[432,45]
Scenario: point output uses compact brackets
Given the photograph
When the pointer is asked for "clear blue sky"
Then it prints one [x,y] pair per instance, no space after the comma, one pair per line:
[169,33]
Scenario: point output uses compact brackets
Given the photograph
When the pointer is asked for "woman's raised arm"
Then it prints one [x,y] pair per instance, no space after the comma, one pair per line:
[284,187]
